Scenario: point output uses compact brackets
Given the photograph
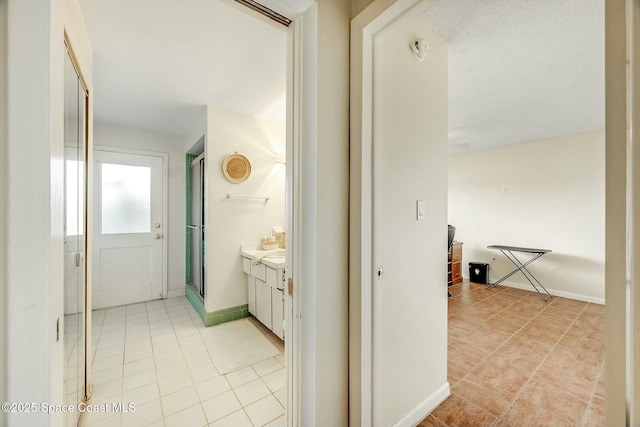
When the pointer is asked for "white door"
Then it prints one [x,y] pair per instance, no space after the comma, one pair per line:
[129,228]
[409,177]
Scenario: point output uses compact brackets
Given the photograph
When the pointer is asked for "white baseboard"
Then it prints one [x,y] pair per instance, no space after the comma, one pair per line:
[555,292]
[420,412]
[173,293]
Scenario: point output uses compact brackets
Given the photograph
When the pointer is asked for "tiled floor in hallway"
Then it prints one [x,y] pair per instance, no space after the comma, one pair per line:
[517,361]
[156,355]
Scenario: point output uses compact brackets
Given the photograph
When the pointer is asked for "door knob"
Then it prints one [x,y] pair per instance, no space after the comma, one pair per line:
[156,225]
[158,236]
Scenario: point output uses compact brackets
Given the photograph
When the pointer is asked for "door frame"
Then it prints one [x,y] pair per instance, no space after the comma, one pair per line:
[622,94]
[301,135]
[295,195]
[292,226]
[365,27]
[165,202]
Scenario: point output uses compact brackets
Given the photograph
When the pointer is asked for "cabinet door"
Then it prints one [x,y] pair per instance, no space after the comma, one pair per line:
[259,271]
[246,265]
[456,272]
[272,277]
[277,312]
[263,303]
[251,291]
[456,252]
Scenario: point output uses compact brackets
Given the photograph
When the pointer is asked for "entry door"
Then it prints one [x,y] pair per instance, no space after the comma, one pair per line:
[129,229]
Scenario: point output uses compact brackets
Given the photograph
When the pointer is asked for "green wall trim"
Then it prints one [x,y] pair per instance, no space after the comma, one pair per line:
[226,315]
[194,298]
[215,317]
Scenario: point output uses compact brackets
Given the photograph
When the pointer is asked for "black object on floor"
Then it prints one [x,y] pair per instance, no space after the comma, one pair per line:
[479,272]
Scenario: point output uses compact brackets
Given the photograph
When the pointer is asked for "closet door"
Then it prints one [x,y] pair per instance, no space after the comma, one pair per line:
[74,240]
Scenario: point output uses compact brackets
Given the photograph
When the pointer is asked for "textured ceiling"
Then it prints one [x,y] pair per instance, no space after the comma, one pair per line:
[521,70]
[157,62]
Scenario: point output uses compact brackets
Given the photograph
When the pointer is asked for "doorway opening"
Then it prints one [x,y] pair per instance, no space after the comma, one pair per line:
[377,274]
[173,340]
[510,124]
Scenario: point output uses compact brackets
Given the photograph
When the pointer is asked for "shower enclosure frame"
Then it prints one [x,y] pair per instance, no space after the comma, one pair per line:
[196,225]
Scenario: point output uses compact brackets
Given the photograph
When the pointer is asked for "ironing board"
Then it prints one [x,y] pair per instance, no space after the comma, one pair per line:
[508,251]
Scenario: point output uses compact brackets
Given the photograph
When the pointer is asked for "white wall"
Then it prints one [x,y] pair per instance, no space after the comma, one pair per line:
[31,236]
[197,130]
[324,280]
[106,134]
[410,302]
[3,202]
[554,199]
[398,323]
[35,211]
[231,223]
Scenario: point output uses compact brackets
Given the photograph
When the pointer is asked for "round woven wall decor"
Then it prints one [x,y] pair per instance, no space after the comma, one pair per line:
[236,168]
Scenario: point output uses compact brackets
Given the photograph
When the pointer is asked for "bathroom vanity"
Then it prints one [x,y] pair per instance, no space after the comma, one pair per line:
[265,286]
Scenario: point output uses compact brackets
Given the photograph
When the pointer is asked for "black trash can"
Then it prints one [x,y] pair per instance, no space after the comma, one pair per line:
[479,272]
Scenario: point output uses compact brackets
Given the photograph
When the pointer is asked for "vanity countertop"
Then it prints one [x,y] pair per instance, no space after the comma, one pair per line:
[273,259]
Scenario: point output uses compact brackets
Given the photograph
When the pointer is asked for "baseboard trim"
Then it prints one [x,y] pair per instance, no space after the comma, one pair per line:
[216,317]
[421,411]
[555,292]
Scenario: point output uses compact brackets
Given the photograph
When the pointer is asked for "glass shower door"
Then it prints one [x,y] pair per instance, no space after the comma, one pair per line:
[196,224]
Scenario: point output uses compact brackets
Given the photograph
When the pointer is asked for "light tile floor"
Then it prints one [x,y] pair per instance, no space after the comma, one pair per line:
[516,361]
[154,354]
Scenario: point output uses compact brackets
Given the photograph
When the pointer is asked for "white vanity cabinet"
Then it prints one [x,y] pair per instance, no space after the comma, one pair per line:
[263,303]
[265,291]
[251,290]
[277,310]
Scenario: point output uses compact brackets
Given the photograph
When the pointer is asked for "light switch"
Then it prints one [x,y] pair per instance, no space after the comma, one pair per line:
[420,210]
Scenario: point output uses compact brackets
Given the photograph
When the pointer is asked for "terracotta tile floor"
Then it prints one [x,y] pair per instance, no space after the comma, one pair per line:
[517,361]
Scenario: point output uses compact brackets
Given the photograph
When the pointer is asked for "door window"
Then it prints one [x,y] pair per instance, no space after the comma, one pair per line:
[126,200]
